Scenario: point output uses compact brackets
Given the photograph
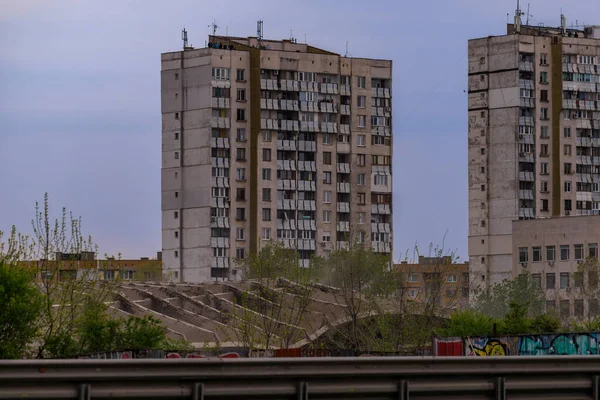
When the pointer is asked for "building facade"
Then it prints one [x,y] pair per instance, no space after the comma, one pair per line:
[534,135]
[271,140]
[562,255]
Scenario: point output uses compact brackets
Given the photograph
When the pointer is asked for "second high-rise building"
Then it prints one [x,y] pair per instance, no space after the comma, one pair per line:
[272,140]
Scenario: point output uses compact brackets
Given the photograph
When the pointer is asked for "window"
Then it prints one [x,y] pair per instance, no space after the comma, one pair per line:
[567,168]
[482,188]
[240,214]
[266,214]
[578,279]
[578,308]
[567,149]
[380,140]
[381,160]
[176,234]
[565,251]
[239,234]
[327,177]
[567,132]
[550,306]
[177,116]
[360,179]
[326,138]
[327,158]
[361,141]
[240,75]
[544,186]
[176,214]
[550,253]
[176,135]
[240,194]
[176,194]
[544,168]
[266,234]
[327,196]
[565,308]
[361,160]
[564,280]
[380,180]
[266,136]
[545,205]
[543,95]
[550,280]
[482,151]
[241,135]
[176,155]
[544,150]
[579,252]
[361,217]
[266,174]
[543,77]
[567,186]
[568,205]
[361,237]
[176,76]
[362,121]
[413,277]
[593,250]
[220,73]
[241,174]
[543,59]
[361,82]
[176,253]
[544,113]
[536,253]
[266,154]
[361,101]
[362,198]
[537,279]
[523,254]
[326,216]
[241,114]
[241,154]
[451,278]
[219,252]
[266,194]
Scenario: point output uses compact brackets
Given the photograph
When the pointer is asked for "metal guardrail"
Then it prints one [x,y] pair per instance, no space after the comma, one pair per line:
[568,377]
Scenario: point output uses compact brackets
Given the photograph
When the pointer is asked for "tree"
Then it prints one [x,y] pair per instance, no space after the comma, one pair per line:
[468,323]
[21,305]
[271,312]
[585,291]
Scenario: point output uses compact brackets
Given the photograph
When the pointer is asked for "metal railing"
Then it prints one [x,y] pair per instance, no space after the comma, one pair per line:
[566,377]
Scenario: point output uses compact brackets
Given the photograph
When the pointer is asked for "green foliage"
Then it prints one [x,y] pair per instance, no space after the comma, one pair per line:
[516,320]
[20,307]
[468,323]
[522,290]
[591,325]
[142,334]
[545,323]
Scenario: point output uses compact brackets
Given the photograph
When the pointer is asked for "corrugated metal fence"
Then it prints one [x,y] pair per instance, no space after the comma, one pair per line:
[568,377]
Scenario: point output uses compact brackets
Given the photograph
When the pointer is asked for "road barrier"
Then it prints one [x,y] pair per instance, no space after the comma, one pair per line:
[541,377]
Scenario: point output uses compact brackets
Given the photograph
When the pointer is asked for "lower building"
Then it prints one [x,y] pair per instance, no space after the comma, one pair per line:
[562,255]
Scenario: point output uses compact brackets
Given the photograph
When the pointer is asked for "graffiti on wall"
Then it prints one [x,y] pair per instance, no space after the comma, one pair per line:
[521,345]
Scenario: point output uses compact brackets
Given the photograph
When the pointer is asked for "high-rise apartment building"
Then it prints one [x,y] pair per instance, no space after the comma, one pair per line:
[272,140]
[534,135]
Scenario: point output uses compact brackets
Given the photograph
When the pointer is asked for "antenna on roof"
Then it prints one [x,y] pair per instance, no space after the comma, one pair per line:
[518,14]
[528,15]
[347,53]
[563,23]
[259,29]
[184,38]
[214,27]
[292,38]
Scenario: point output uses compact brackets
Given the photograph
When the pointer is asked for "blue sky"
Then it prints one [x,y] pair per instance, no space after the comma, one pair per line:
[80,101]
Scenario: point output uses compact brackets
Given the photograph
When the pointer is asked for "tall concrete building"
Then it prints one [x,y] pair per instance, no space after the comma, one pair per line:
[271,140]
[534,135]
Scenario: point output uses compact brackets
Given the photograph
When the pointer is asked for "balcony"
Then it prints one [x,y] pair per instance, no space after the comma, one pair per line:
[220,181]
[220,102]
[381,227]
[307,186]
[527,102]
[269,84]
[307,244]
[326,107]
[269,104]
[345,129]
[343,148]
[307,166]
[343,207]
[527,139]
[219,143]
[289,85]
[286,165]
[219,222]
[219,242]
[526,157]
[304,263]
[219,162]
[286,204]
[289,125]
[341,245]
[381,247]
[309,106]
[526,176]
[384,209]
[343,168]
[219,202]
[329,127]
[309,86]
[307,145]
[343,226]
[307,205]
[345,109]
[219,262]
[271,124]
[380,92]
[526,84]
[343,187]
[286,184]
[526,66]
[288,243]
[526,212]
[584,141]
[307,225]
[585,160]
[383,111]
[526,194]
[287,224]
[381,130]
[219,122]
[345,90]
[288,145]
[309,126]
[527,121]
[330,88]
[221,83]
[289,105]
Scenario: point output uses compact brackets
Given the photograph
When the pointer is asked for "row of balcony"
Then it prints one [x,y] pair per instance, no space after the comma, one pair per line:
[587,141]
[573,86]
[219,202]
[381,92]
[219,262]
[219,222]
[301,205]
[581,105]
[294,125]
[580,68]
[220,181]
[219,143]
[588,160]
[298,86]
[219,242]
[300,145]
[221,102]
[219,162]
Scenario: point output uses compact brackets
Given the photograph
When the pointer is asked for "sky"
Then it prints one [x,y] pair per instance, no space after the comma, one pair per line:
[80,101]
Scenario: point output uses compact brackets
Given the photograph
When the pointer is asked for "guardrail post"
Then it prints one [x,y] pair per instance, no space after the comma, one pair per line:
[596,387]
[501,388]
[198,391]
[84,392]
[403,391]
[303,391]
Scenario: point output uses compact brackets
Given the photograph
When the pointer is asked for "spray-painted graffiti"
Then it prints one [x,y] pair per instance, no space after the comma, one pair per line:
[238,353]
[523,345]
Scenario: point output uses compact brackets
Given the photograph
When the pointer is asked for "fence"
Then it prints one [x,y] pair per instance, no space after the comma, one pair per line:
[559,344]
[497,378]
